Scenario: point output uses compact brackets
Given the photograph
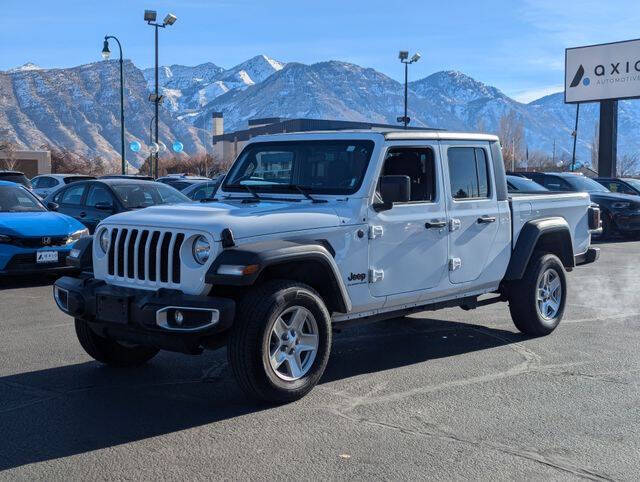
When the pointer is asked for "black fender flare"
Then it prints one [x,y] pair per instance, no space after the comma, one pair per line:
[264,254]
[528,239]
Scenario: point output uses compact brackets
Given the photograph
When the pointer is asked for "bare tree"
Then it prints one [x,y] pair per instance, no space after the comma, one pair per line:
[7,155]
[595,142]
[628,165]
[511,133]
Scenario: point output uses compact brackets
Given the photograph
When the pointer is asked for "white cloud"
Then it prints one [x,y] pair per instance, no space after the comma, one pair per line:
[529,95]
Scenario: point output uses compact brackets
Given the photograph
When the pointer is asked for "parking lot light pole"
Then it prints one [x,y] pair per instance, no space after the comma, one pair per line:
[404,58]
[106,53]
[150,18]
[150,142]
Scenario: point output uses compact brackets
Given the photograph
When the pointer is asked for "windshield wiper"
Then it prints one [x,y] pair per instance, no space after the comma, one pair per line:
[251,191]
[304,191]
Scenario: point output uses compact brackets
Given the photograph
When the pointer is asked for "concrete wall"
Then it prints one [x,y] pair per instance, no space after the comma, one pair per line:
[32,163]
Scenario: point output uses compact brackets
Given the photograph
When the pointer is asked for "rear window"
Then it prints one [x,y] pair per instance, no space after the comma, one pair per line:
[16,177]
[70,179]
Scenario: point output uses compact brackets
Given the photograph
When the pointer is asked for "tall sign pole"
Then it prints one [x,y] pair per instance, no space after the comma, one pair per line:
[608,148]
[575,139]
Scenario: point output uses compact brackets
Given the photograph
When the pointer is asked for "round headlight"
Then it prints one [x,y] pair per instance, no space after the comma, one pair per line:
[105,240]
[201,249]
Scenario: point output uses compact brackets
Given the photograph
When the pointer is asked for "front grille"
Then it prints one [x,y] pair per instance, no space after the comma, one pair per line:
[146,255]
[40,241]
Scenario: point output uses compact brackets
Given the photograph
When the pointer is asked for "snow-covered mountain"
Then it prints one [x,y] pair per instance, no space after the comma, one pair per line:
[78,108]
[188,89]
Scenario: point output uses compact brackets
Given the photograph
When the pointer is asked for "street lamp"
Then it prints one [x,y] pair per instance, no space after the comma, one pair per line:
[150,17]
[106,53]
[404,58]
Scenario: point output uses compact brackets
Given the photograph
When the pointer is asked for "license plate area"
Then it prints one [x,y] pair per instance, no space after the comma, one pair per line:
[114,309]
[43,257]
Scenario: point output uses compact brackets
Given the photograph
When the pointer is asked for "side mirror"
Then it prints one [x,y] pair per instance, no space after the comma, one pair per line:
[393,189]
[53,206]
[104,206]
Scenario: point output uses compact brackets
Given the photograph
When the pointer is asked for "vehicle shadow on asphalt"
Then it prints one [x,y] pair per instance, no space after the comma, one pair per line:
[79,408]
[17,282]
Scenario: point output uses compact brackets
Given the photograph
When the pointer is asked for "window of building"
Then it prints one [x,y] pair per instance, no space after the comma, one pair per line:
[468,173]
[419,165]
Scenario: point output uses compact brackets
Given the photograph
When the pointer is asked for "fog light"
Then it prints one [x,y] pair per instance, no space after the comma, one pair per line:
[178,317]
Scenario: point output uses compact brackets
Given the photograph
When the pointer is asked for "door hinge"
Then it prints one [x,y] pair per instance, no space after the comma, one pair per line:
[454,224]
[454,264]
[375,275]
[375,232]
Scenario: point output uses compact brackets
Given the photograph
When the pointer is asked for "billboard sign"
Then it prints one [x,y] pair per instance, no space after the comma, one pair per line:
[602,72]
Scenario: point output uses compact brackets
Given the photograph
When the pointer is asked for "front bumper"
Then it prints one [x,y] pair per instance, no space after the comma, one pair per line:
[146,317]
[627,221]
[21,261]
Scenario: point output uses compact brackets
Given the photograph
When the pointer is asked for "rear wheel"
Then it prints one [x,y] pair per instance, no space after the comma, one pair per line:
[537,301]
[110,352]
[280,342]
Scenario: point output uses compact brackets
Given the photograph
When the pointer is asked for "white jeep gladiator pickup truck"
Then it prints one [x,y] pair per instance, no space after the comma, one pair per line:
[313,229]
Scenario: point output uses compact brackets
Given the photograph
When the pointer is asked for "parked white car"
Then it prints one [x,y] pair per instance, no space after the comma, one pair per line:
[46,184]
[313,229]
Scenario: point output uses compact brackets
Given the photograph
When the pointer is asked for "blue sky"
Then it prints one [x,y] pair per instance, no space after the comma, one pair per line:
[517,46]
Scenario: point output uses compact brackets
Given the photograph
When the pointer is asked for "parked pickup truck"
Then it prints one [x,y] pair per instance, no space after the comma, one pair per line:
[310,230]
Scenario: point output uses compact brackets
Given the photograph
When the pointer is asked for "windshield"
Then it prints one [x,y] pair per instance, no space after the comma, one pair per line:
[633,182]
[137,196]
[328,167]
[581,183]
[15,199]
[525,185]
[17,178]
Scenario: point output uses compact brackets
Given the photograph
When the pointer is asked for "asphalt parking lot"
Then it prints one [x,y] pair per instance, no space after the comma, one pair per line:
[447,395]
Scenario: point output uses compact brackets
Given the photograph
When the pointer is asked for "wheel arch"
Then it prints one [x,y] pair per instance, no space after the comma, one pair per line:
[551,235]
[310,262]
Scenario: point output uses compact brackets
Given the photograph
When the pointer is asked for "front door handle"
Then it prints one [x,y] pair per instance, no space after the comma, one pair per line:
[435,224]
[83,214]
[486,219]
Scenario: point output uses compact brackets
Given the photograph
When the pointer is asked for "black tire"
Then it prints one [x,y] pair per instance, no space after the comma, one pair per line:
[523,296]
[249,343]
[111,352]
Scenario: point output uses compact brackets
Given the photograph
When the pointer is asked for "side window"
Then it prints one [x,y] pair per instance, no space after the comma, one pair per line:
[35,182]
[98,194]
[554,183]
[468,173]
[72,196]
[619,187]
[419,165]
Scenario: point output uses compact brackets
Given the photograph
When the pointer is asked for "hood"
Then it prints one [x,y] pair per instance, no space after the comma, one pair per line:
[245,220]
[613,197]
[44,223]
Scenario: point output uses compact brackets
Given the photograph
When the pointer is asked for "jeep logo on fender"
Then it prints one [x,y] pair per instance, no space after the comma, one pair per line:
[357,277]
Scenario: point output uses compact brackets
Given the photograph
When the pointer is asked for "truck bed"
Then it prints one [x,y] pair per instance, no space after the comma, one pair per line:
[572,206]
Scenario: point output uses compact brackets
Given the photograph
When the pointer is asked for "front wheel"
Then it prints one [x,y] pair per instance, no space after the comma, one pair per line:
[537,301]
[110,352]
[280,342]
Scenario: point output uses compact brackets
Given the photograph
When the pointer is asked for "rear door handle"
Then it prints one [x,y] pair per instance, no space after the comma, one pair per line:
[83,214]
[435,224]
[486,219]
